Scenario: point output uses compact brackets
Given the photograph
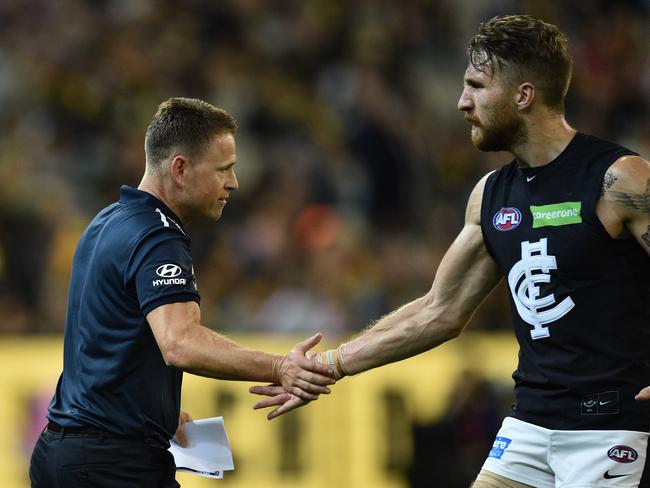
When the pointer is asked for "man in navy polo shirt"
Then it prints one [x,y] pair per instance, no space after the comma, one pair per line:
[134,322]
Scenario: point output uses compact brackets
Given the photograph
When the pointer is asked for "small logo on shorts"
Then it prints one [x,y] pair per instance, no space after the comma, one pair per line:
[499,446]
[506,219]
[622,454]
[608,476]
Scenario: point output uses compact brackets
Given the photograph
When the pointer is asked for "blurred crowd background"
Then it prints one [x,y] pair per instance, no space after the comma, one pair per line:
[354,162]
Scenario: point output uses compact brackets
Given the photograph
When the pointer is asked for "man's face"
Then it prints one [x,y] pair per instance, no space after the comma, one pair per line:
[210,178]
[489,105]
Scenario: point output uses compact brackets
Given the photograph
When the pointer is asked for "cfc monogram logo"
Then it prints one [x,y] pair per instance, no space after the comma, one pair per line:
[523,278]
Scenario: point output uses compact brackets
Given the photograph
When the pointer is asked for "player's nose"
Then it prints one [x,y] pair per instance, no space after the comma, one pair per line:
[233,183]
[464,102]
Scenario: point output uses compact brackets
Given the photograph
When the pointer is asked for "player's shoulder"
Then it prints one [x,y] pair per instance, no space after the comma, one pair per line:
[602,154]
[479,187]
[473,211]
[628,173]
[139,221]
[626,187]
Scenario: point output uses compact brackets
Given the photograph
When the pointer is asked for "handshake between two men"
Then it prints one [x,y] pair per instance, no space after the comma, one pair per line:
[306,389]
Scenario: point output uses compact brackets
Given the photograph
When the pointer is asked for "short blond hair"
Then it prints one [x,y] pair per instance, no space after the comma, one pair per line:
[186,125]
[525,49]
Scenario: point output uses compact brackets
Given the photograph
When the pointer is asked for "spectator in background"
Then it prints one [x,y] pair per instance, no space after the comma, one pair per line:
[311,82]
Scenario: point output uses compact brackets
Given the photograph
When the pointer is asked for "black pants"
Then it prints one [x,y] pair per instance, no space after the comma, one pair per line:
[63,460]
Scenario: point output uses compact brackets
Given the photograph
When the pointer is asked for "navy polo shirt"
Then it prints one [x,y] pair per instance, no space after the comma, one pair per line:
[133,257]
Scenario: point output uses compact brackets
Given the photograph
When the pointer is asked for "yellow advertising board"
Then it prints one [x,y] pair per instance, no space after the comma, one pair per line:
[358,436]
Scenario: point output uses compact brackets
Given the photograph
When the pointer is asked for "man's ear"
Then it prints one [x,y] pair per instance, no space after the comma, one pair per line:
[525,95]
[178,169]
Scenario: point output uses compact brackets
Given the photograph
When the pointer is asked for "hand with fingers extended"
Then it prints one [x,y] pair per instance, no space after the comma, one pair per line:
[278,396]
[301,376]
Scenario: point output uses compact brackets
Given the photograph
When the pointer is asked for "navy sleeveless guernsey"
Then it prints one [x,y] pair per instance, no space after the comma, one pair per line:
[580,299]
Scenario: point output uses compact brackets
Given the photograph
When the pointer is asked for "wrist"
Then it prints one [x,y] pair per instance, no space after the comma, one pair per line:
[332,359]
[276,367]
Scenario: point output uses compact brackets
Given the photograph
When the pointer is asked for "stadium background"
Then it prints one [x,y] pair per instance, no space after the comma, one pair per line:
[354,168]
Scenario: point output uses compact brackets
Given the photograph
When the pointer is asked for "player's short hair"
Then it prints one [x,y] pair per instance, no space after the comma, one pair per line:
[525,49]
[184,125]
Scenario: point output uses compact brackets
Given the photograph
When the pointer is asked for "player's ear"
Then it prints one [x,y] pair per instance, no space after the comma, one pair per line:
[178,169]
[525,95]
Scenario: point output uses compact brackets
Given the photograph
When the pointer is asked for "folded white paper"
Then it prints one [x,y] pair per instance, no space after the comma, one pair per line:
[208,450]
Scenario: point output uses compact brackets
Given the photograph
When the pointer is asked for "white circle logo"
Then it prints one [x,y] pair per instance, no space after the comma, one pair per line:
[168,270]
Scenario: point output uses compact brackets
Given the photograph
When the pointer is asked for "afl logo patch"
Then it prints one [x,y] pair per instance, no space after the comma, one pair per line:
[506,219]
[622,454]
[168,270]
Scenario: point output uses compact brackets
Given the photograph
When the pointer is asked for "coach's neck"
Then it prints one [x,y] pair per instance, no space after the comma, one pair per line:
[164,190]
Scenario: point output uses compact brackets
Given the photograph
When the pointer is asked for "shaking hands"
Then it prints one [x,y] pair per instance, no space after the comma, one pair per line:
[301,377]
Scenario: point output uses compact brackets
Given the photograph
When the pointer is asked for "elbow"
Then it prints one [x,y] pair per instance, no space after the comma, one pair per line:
[171,357]
[454,330]
[446,320]
[174,329]
[457,326]
[172,353]
[448,327]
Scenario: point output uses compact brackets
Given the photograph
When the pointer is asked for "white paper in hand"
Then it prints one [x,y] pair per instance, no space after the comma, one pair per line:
[208,451]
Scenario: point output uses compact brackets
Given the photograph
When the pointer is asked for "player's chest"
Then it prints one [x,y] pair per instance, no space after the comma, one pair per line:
[543,230]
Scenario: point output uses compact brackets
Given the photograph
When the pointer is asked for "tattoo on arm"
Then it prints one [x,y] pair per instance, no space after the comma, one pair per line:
[636,201]
[608,181]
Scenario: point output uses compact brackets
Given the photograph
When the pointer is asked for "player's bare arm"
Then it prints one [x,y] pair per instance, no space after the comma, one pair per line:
[624,206]
[466,275]
[186,344]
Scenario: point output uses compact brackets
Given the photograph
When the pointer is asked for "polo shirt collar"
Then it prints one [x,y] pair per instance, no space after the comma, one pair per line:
[133,195]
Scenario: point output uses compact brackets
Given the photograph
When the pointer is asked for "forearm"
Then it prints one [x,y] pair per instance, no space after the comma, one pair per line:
[185,344]
[412,329]
[466,275]
[204,352]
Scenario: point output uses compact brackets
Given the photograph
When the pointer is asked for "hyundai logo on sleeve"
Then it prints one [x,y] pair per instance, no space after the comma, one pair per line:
[169,273]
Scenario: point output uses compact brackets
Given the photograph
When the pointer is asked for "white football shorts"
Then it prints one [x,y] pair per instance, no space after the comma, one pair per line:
[546,458]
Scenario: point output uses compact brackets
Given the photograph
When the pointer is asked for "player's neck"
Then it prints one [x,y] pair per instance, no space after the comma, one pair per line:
[546,138]
[155,187]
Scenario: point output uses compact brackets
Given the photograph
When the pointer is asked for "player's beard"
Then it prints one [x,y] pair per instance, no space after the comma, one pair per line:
[501,131]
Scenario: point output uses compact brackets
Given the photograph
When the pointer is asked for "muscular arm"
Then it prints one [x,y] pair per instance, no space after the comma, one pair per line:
[466,275]
[186,344]
[624,206]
